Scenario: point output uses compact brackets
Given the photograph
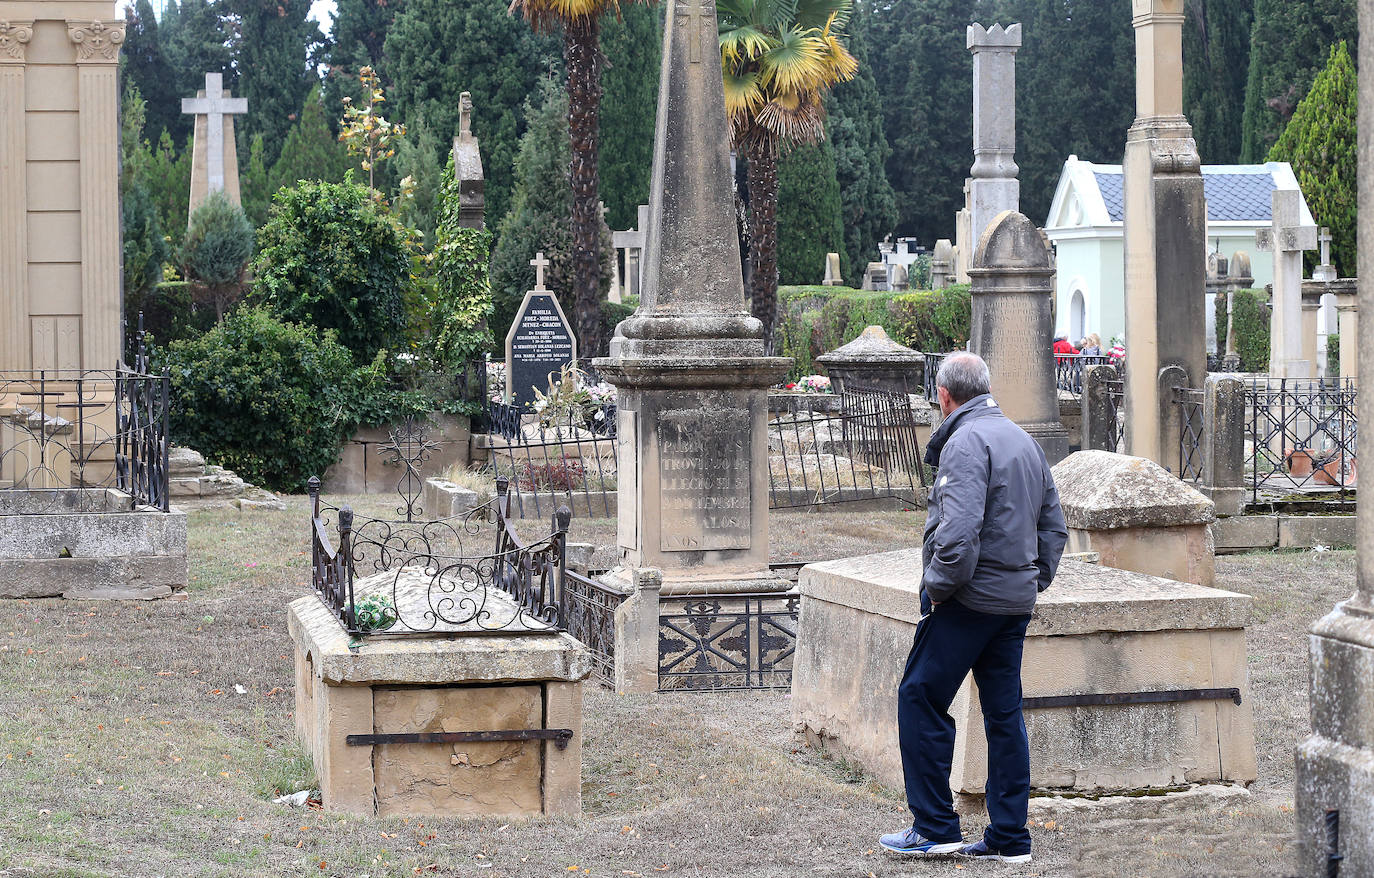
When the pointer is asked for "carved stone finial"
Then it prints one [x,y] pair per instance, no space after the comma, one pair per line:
[465,114]
[14,36]
[98,41]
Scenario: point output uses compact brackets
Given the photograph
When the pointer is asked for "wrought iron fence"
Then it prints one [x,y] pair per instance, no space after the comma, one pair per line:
[1189,402]
[1069,368]
[68,435]
[932,368]
[727,641]
[1302,437]
[590,618]
[868,451]
[568,457]
[417,576]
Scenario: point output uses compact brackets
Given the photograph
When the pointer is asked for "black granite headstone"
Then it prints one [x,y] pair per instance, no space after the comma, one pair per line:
[539,345]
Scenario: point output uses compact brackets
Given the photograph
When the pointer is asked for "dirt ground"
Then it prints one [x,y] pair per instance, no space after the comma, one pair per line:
[127,750]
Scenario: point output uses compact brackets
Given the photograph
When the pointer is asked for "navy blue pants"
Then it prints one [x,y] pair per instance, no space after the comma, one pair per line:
[949,643]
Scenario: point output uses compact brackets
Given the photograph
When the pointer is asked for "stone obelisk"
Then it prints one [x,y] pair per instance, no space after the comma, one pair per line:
[993,186]
[1165,240]
[689,364]
[1336,764]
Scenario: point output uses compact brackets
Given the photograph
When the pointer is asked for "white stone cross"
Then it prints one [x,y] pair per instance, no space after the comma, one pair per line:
[1324,239]
[539,263]
[1288,237]
[692,9]
[214,106]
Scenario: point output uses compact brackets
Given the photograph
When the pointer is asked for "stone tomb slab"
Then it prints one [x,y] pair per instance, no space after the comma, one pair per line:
[540,343]
[457,683]
[1098,630]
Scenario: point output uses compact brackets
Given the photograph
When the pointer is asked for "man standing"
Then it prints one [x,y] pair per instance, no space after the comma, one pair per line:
[994,535]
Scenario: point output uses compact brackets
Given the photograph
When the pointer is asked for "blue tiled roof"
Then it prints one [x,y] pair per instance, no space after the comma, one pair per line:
[1240,197]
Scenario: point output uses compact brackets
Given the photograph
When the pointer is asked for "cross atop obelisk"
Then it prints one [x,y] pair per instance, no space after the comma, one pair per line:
[213,105]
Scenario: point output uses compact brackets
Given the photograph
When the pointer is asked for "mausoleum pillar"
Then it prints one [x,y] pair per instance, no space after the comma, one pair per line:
[14,286]
[97,59]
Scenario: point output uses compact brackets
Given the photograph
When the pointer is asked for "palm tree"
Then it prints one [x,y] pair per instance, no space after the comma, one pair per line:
[779,58]
[581,22]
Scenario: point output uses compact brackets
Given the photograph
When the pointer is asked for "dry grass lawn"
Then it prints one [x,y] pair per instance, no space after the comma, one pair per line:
[126,748]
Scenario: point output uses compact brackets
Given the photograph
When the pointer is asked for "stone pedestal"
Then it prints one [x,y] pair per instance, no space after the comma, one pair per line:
[1013,328]
[413,684]
[1096,631]
[1223,444]
[873,361]
[1164,238]
[1136,516]
[1335,766]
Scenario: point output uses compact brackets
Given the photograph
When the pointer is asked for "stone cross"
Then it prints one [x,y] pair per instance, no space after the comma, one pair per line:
[993,186]
[1325,271]
[539,263]
[215,105]
[691,9]
[1288,237]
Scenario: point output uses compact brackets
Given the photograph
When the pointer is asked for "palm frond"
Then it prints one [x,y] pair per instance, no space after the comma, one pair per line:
[842,65]
[734,13]
[797,118]
[745,42]
[743,94]
[797,63]
[820,13]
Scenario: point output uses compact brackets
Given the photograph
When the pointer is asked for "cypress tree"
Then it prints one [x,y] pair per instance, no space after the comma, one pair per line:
[1320,141]
[144,247]
[809,213]
[195,41]
[255,184]
[273,49]
[148,69]
[855,128]
[437,49]
[633,45]
[1216,56]
[311,151]
[357,37]
[1289,43]
[417,157]
[169,185]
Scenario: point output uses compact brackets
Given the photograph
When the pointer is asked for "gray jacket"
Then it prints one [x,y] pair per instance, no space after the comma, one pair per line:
[994,531]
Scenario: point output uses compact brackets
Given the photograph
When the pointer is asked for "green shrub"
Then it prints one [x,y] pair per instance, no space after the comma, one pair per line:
[332,257]
[217,247]
[1333,355]
[169,314]
[460,299]
[266,398]
[1251,326]
[813,320]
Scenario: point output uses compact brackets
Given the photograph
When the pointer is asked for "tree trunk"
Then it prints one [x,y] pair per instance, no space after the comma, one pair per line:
[762,155]
[582,54]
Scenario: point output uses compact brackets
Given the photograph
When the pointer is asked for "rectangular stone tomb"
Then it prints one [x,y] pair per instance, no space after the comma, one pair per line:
[87,544]
[1173,651]
[468,725]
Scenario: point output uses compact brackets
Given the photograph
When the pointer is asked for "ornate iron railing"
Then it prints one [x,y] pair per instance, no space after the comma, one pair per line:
[412,575]
[590,618]
[1189,402]
[1068,371]
[727,641]
[932,368]
[1302,437]
[869,451]
[568,459]
[68,435]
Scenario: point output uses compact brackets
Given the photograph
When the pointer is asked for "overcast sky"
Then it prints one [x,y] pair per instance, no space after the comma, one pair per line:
[320,10]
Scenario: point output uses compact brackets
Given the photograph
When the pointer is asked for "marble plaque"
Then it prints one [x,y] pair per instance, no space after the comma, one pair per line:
[704,479]
[540,344]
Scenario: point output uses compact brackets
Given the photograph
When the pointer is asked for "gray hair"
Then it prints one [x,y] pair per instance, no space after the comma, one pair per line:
[965,376]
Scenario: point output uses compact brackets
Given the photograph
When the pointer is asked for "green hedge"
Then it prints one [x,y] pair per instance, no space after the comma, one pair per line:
[813,320]
[1252,328]
[169,314]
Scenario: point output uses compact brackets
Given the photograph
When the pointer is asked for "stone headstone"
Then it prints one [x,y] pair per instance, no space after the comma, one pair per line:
[832,271]
[942,265]
[873,361]
[1335,766]
[900,278]
[1288,237]
[1165,245]
[993,186]
[467,170]
[540,341]
[1325,271]
[214,159]
[689,365]
[875,276]
[60,247]
[1013,328]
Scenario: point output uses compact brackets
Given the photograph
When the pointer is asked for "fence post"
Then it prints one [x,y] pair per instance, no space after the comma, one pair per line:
[636,634]
[1223,441]
[1099,415]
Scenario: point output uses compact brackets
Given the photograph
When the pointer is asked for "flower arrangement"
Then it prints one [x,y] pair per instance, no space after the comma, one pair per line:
[810,384]
[574,399]
[375,613]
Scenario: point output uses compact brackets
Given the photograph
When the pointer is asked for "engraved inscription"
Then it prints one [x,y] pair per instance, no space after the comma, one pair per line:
[540,344]
[704,485]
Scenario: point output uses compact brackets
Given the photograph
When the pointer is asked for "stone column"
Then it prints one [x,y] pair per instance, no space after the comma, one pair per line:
[689,365]
[1223,435]
[1287,239]
[1013,329]
[1348,314]
[1165,243]
[97,60]
[14,258]
[993,186]
[1335,766]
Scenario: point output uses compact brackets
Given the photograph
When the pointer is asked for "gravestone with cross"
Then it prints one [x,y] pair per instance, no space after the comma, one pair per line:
[540,342]
[214,161]
[1325,271]
[1292,232]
